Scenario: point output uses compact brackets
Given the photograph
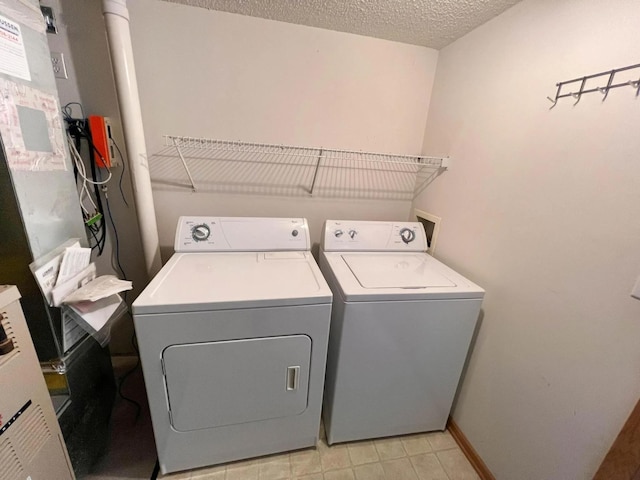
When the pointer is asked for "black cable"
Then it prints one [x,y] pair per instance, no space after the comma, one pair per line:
[95,175]
[77,132]
[156,470]
[67,110]
[96,178]
[99,229]
[93,234]
[93,150]
[109,216]
[124,199]
[76,140]
[126,375]
[116,238]
[115,235]
[121,173]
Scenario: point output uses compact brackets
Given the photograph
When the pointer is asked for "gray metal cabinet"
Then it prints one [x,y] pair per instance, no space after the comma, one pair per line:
[39,205]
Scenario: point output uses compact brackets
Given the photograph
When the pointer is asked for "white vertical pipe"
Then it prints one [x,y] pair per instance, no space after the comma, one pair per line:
[116,17]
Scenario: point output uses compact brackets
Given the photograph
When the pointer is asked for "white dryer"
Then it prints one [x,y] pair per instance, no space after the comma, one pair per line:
[401,327]
[233,336]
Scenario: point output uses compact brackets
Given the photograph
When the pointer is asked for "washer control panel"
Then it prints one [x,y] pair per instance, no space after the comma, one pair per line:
[367,236]
[241,234]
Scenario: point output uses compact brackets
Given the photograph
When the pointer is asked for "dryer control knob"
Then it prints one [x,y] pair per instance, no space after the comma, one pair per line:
[352,234]
[338,233]
[201,232]
[407,235]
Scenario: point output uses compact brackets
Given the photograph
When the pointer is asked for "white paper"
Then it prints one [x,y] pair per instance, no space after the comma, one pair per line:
[101,287]
[13,57]
[47,274]
[98,313]
[62,291]
[75,259]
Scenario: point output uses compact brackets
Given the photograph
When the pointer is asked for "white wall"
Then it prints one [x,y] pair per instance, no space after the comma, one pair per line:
[541,208]
[220,75]
[224,76]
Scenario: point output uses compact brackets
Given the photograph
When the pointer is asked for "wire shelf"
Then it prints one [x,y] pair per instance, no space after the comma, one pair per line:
[241,167]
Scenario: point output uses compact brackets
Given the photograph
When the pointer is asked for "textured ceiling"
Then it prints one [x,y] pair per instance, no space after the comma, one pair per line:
[430,23]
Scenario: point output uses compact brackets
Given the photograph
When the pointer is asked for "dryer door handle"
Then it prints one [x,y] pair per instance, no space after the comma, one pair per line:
[293,377]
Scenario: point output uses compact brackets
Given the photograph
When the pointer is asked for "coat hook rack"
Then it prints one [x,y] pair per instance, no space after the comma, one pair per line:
[580,82]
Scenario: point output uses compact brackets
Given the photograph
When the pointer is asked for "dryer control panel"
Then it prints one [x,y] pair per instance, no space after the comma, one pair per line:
[241,234]
[371,236]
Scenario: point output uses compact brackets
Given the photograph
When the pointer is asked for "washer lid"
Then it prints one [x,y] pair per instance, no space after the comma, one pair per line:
[395,270]
[213,281]
[392,276]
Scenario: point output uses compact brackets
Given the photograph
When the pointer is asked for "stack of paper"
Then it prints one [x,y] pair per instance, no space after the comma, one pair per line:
[67,276]
[98,288]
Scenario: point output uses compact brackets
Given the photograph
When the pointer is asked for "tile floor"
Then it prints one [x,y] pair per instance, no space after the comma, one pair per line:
[430,456]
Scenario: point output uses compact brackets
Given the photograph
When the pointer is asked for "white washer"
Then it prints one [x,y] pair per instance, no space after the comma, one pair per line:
[233,336]
[401,327]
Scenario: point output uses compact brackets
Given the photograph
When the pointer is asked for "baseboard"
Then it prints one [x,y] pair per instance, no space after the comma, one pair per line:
[476,462]
[623,459]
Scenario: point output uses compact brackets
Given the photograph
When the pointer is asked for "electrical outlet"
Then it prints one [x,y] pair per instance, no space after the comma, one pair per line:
[59,67]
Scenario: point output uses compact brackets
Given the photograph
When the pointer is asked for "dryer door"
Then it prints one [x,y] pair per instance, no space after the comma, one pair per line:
[236,381]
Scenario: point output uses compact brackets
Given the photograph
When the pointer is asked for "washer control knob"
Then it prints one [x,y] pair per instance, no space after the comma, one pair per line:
[352,234]
[294,233]
[338,233]
[201,232]
[407,235]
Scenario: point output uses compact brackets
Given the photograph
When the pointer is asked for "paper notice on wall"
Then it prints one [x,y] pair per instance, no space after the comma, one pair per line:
[31,128]
[13,57]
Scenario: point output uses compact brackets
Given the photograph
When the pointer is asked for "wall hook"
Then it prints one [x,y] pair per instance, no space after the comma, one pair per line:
[604,90]
[555,100]
[576,96]
[579,94]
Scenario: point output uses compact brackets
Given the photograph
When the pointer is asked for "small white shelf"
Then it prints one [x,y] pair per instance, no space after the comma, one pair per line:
[221,166]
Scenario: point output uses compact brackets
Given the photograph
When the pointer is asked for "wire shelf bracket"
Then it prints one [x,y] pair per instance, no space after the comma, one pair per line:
[233,166]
